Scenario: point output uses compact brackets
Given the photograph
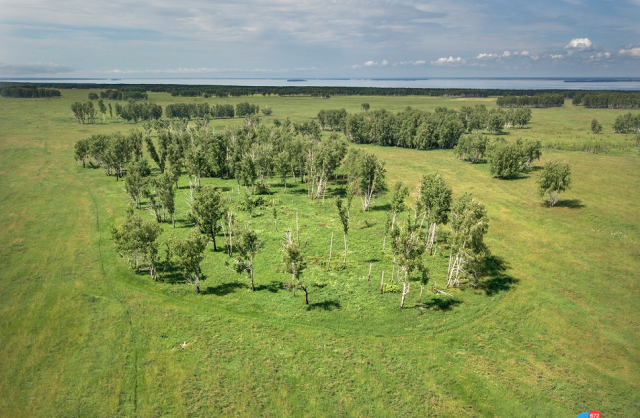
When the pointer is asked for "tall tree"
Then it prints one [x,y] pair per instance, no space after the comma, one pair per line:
[247,246]
[469,224]
[343,214]
[136,241]
[82,150]
[207,210]
[189,253]
[435,196]
[555,177]
[135,181]
[294,262]
[366,176]
[408,249]
[400,193]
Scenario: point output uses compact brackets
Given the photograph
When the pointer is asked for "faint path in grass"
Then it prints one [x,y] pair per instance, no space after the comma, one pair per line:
[117,296]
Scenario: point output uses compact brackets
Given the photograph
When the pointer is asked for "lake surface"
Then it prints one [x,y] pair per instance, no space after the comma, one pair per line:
[576,83]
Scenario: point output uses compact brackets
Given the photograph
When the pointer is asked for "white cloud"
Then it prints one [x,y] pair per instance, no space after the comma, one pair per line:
[557,56]
[484,56]
[356,66]
[580,44]
[448,61]
[506,54]
[370,64]
[601,56]
[384,63]
[631,52]
[404,63]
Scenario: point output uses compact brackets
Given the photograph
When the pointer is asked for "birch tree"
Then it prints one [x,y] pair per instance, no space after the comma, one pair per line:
[400,193]
[408,249]
[294,262]
[435,196]
[555,177]
[207,209]
[366,176]
[136,241]
[343,214]
[247,245]
[189,253]
[469,224]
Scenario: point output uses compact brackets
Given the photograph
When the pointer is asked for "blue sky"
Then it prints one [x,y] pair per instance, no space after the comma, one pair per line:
[321,38]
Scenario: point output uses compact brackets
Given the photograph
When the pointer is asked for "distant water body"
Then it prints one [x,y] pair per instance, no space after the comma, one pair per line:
[507,83]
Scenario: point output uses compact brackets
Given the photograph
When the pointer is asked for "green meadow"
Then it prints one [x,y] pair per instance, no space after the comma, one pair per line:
[552,330]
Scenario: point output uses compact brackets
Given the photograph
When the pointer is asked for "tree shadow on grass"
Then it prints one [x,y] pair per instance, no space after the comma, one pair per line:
[273,287]
[385,207]
[495,279]
[223,289]
[327,305]
[567,203]
[439,304]
[169,274]
[515,177]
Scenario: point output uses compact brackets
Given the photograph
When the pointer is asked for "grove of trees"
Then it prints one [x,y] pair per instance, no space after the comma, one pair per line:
[27,91]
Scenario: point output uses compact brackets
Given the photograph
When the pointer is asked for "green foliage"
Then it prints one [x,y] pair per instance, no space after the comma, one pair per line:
[136,242]
[507,159]
[627,123]
[554,178]
[366,176]
[247,246]
[471,148]
[435,196]
[343,214]
[27,91]
[469,225]
[538,100]
[391,288]
[188,254]
[400,193]
[596,128]
[207,209]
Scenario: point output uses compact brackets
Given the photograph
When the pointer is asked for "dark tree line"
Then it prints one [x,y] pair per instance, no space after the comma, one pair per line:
[135,93]
[323,92]
[136,111]
[27,91]
[608,100]
[538,100]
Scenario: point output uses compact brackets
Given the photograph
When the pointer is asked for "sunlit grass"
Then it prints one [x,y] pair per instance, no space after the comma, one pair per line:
[81,335]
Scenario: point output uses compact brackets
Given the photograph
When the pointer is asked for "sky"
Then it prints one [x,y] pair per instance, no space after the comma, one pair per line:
[319,38]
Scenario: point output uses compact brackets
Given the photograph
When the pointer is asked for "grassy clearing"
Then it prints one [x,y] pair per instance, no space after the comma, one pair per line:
[554,332]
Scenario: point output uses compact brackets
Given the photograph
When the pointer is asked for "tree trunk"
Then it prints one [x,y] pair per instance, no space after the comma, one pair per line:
[330,250]
[382,283]
[253,289]
[369,276]
[405,291]
[345,249]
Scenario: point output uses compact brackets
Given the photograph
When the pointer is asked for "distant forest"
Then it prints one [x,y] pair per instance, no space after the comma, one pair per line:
[27,91]
[325,92]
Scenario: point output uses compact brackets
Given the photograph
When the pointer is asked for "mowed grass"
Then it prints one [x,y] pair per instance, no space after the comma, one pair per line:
[553,331]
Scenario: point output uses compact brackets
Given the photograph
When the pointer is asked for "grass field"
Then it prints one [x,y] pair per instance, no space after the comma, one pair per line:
[553,331]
